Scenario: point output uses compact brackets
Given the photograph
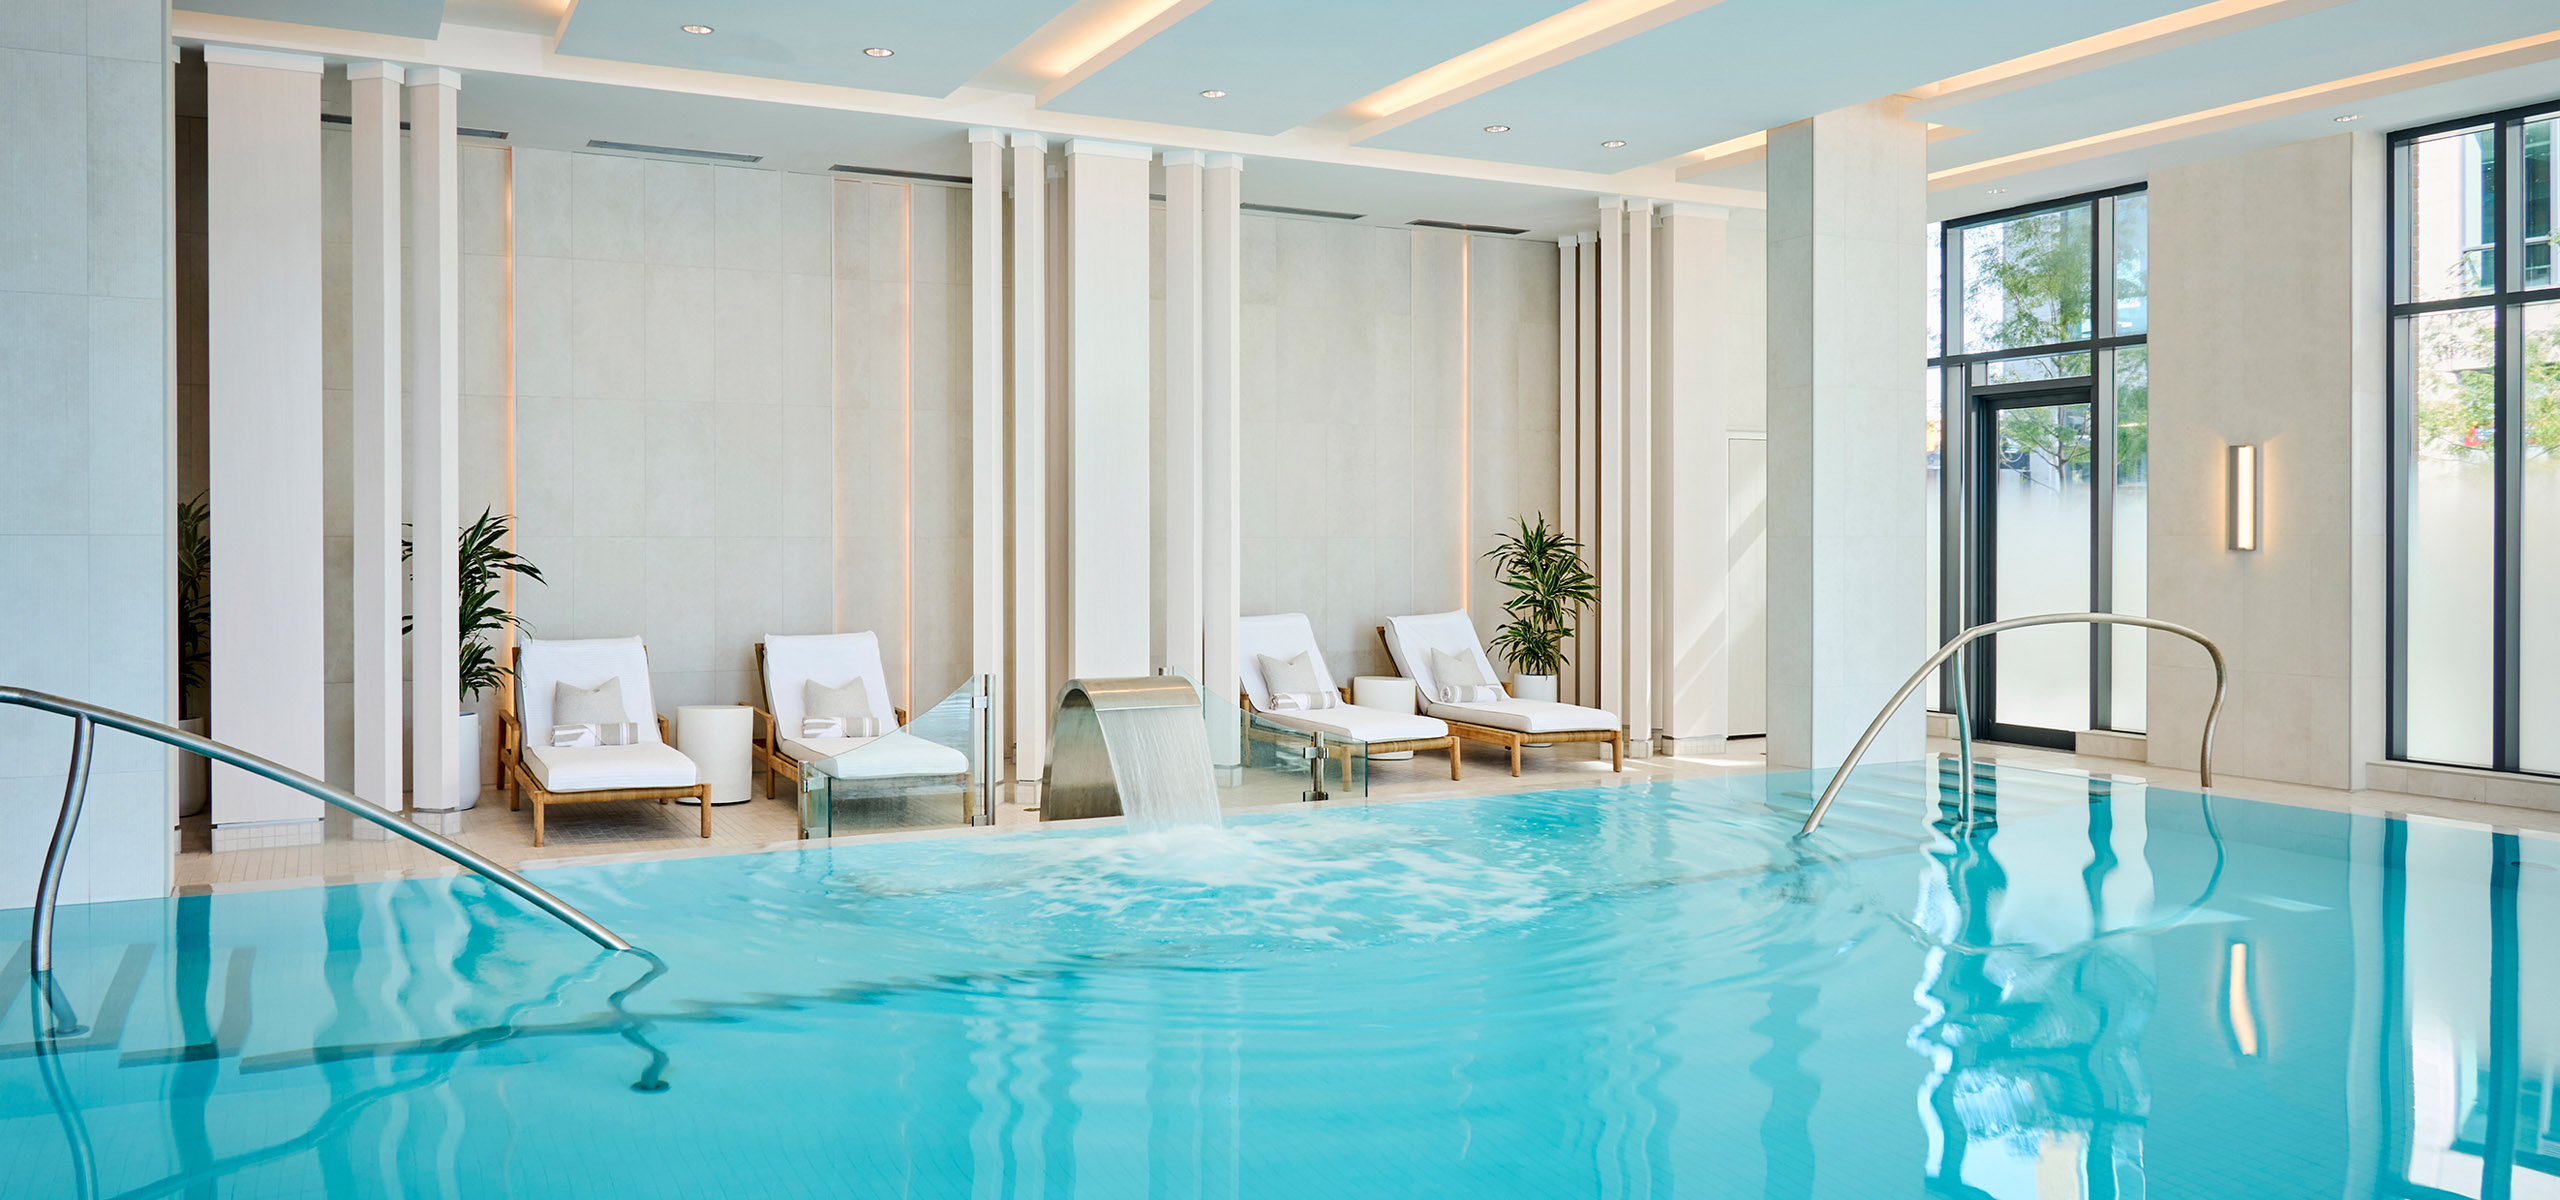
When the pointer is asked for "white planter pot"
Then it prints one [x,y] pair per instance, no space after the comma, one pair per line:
[195,773]
[466,779]
[1534,687]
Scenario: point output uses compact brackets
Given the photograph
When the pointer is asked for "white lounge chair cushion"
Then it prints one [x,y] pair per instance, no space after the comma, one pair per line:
[651,764]
[1281,636]
[889,756]
[1528,716]
[585,663]
[794,661]
[1410,641]
[1363,724]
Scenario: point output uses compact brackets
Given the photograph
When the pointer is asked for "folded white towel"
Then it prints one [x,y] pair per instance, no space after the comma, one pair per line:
[1461,681]
[836,727]
[564,737]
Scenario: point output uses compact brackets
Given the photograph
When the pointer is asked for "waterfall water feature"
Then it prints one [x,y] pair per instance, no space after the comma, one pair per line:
[1137,748]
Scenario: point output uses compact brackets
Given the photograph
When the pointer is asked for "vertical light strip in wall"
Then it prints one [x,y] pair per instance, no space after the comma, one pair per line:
[506,695]
[835,417]
[907,456]
[1466,416]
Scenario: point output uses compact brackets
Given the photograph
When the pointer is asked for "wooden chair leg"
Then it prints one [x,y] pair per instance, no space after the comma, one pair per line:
[1617,752]
[537,820]
[702,798]
[515,792]
[1453,758]
[1515,758]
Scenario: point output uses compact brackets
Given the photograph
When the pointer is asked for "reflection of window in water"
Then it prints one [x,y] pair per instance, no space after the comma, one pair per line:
[2034,1048]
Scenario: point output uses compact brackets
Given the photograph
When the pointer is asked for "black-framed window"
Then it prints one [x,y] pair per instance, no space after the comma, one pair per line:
[2475,443]
[2046,295]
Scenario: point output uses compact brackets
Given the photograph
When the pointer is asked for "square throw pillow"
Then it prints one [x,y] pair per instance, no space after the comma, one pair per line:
[599,707]
[1461,681]
[848,705]
[1293,684]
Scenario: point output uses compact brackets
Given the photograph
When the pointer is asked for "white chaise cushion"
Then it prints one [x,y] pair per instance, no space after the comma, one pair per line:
[1279,636]
[831,660]
[1410,641]
[890,756]
[1528,716]
[585,663]
[1362,724]
[651,764]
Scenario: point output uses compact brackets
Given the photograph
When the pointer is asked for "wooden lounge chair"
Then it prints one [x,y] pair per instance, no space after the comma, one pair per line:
[650,768]
[1288,634]
[1508,722]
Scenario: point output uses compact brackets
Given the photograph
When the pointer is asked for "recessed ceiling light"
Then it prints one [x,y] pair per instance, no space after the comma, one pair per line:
[1497,129]
[1997,191]
[879,51]
[1213,94]
[2349,117]
[697,29]
[1611,144]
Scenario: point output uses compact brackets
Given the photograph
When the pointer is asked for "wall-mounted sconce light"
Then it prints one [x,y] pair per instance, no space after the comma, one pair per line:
[2248,495]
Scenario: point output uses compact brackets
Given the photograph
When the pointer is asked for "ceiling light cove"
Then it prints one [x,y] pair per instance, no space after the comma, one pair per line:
[1497,129]
[696,30]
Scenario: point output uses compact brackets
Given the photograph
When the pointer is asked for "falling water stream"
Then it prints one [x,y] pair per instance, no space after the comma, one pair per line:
[1160,761]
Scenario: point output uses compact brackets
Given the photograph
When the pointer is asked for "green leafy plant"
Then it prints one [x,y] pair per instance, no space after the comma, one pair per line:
[195,604]
[482,556]
[1550,586]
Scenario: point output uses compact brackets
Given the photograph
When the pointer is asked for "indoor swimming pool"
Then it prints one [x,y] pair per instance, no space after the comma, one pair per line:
[2091,990]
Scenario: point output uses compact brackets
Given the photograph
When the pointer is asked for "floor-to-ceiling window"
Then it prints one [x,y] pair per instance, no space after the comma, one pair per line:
[2038,391]
[2475,426]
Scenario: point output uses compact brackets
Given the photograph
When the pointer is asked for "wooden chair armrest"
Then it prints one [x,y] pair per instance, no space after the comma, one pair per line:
[1346,693]
[510,734]
[666,732]
[902,717]
[1509,690]
[772,733]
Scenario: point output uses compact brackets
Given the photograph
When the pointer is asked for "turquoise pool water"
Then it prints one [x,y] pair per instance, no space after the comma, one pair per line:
[1650,991]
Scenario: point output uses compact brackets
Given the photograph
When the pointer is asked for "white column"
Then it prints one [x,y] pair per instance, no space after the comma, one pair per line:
[1613,433]
[1847,193]
[374,465]
[1568,434]
[1107,383]
[435,643]
[263,470]
[1221,450]
[1636,479]
[986,421]
[1182,415]
[1030,458]
[1694,346]
[1586,388]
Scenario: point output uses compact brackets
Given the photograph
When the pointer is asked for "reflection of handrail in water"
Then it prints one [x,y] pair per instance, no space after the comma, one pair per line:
[76,787]
[1964,736]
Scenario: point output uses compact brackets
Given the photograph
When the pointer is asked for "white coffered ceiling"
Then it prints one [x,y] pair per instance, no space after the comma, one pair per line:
[1359,105]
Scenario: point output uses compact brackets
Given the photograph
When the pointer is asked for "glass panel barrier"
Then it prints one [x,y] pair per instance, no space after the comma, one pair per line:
[2127,644]
[2452,521]
[2538,712]
[930,773]
[1280,760]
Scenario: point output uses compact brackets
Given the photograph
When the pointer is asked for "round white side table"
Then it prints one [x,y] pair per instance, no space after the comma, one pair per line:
[720,739]
[1386,693]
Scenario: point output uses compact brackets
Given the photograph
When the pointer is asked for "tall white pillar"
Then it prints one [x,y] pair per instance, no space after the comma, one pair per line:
[1182,416]
[374,463]
[1108,367]
[1586,389]
[1568,434]
[986,420]
[1694,349]
[1847,621]
[262,410]
[1613,441]
[1221,448]
[435,642]
[1636,546]
[1030,457]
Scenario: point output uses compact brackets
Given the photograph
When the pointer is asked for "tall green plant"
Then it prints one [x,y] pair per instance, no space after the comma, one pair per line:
[195,603]
[483,554]
[1543,568]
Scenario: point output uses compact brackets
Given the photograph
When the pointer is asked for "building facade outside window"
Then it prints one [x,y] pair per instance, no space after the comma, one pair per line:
[2475,443]
[2038,390]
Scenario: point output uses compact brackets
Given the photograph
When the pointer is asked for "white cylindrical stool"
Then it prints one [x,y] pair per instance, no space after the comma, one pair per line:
[1386,693]
[720,739]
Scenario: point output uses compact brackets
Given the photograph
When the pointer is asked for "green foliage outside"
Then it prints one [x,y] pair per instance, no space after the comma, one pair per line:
[2456,404]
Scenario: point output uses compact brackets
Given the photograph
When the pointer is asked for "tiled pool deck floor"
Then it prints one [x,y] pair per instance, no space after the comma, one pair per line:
[639,830]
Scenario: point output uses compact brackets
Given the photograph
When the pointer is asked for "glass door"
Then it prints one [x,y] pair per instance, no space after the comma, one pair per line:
[2036,517]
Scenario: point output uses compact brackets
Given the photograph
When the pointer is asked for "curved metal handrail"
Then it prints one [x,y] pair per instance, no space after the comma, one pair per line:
[76,787]
[1964,736]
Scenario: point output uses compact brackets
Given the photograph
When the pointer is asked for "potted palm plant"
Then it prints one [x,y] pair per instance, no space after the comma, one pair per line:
[1550,587]
[482,555]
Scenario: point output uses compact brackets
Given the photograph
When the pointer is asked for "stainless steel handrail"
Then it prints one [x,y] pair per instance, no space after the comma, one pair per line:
[75,789]
[1964,735]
